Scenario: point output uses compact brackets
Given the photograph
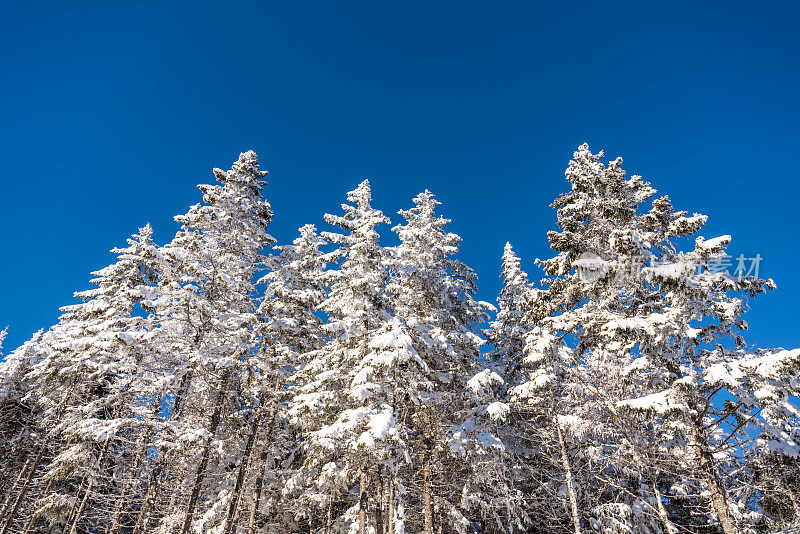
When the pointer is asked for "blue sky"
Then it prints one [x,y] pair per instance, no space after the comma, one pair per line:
[111,113]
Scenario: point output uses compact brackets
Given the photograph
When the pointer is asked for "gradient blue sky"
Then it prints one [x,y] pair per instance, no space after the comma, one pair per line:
[111,113]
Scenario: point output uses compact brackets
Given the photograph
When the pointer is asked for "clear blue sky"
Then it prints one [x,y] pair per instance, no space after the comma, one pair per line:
[111,113]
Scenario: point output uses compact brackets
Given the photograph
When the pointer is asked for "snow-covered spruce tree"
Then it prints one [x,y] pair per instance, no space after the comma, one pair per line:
[446,409]
[14,416]
[19,416]
[657,326]
[534,459]
[288,328]
[770,381]
[342,405]
[50,396]
[596,218]
[206,314]
[82,383]
[97,433]
[21,421]
[507,333]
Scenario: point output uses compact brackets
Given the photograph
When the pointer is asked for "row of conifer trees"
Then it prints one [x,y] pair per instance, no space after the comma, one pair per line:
[219,383]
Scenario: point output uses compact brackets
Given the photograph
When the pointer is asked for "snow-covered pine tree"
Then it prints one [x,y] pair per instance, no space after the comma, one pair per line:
[657,327]
[506,334]
[57,379]
[82,383]
[769,379]
[595,215]
[206,314]
[342,404]
[288,328]
[600,237]
[97,432]
[444,396]
[21,421]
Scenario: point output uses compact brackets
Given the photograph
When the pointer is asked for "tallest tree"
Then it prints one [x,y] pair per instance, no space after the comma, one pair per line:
[206,311]
[654,378]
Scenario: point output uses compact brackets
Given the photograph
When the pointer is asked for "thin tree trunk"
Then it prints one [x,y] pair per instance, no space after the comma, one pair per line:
[248,451]
[151,492]
[427,498]
[82,508]
[119,510]
[259,484]
[362,502]
[329,520]
[201,469]
[251,527]
[11,511]
[34,519]
[662,511]
[379,505]
[391,506]
[15,485]
[573,499]
[74,504]
[719,500]
[795,502]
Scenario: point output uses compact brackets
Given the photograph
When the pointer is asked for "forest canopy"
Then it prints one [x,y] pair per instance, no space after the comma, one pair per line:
[224,383]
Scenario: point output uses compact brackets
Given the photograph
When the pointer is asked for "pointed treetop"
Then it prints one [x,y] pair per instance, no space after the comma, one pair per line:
[362,195]
[145,232]
[421,215]
[511,270]
[307,231]
[509,257]
[426,203]
[360,219]
[244,170]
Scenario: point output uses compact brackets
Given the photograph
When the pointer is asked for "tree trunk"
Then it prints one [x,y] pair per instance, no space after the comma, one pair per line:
[259,484]
[74,505]
[662,511]
[248,451]
[719,500]
[391,506]
[149,495]
[329,519]
[34,520]
[201,469]
[251,527]
[427,497]
[151,491]
[379,505]
[119,509]
[362,502]
[795,501]
[13,488]
[82,508]
[11,509]
[573,499]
